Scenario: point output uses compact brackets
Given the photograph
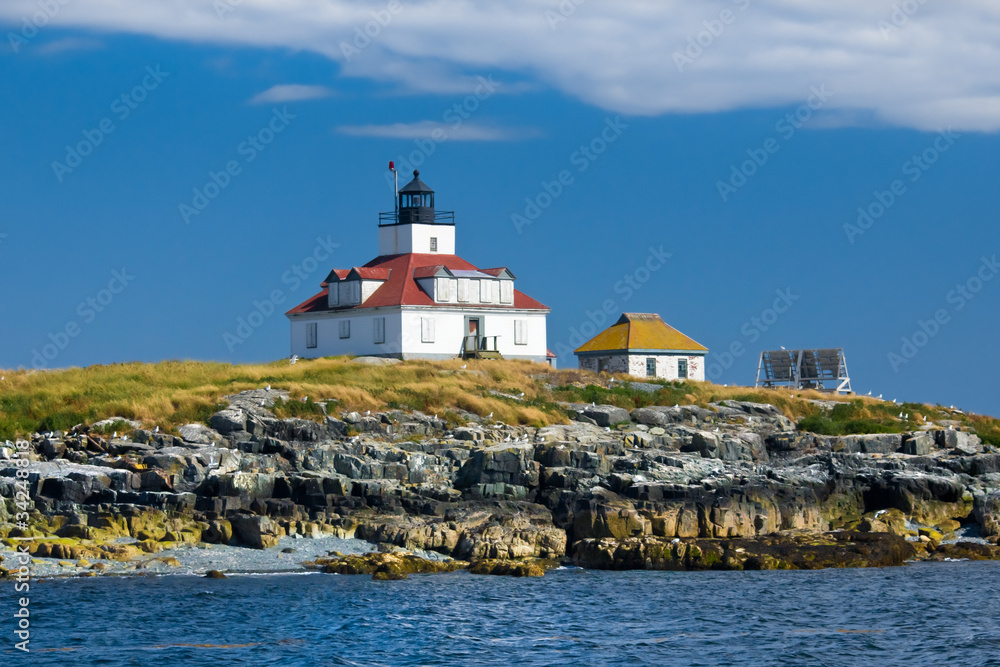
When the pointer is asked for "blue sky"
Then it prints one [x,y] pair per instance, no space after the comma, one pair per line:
[101,261]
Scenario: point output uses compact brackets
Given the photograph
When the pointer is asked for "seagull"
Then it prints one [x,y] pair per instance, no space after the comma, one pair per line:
[900,415]
[677,405]
[490,416]
[464,365]
[262,403]
[880,397]
[267,388]
[593,404]
[716,429]
[115,436]
[869,393]
[675,540]
[906,416]
[521,395]
[305,399]
[295,358]
[368,413]
[782,347]
[156,430]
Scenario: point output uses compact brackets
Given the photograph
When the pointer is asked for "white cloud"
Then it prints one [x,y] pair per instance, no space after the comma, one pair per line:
[290,92]
[931,68]
[428,129]
[67,44]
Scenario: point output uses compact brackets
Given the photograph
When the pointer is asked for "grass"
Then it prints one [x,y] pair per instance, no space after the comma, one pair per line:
[172,393]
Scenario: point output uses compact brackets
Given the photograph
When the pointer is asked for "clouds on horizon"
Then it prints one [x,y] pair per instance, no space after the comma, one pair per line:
[910,63]
[438,131]
[290,92]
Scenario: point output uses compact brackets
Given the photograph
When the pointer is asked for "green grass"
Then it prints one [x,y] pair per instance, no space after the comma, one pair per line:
[173,393]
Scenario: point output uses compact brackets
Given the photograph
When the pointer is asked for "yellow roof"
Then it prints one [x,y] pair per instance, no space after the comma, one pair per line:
[641,331]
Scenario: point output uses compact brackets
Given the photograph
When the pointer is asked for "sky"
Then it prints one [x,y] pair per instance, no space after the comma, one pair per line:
[760,173]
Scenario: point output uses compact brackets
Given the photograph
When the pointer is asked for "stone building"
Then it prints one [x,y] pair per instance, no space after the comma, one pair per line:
[643,345]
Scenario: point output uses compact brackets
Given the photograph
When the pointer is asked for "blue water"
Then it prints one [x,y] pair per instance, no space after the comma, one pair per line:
[933,613]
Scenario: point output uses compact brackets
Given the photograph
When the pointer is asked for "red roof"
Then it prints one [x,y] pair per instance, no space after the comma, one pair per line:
[371,273]
[427,271]
[400,289]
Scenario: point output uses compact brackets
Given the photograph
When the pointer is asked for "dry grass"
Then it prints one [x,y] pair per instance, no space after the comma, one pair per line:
[173,393]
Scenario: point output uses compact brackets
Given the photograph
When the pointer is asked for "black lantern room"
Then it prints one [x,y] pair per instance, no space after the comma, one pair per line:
[416,202]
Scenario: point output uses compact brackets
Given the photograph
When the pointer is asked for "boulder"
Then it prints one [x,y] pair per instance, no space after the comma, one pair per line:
[967,444]
[650,416]
[606,415]
[52,448]
[218,532]
[880,443]
[501,464]
[988,514]
[511,568]
[229,421]
[256,532]
[198,434]
[918,444]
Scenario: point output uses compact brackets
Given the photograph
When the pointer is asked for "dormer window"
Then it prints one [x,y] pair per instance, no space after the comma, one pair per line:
[506,291]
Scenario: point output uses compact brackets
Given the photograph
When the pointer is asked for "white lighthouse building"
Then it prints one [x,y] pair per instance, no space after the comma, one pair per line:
[418,299]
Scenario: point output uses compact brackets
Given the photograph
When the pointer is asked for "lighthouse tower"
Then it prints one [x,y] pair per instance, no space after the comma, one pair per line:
[415,226]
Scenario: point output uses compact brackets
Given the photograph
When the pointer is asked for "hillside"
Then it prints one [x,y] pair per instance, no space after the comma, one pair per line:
[171,394]
[506,467]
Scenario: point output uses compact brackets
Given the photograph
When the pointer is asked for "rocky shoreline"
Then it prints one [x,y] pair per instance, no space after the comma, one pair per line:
[733,485]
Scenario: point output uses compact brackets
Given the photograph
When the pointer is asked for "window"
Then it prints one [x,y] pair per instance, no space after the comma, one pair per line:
[443,289]
[682,369]
[651,367]
[520,332]
[506,291]
[464,287]
[426,329]
[379,329]
[345,328]
[355,292]
[311,334]
[434,244]
[334,294]
[485,289]
[494,291]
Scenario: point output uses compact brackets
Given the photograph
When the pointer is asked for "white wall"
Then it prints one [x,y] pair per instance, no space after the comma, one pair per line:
[666,366]
[403,333]
[402,239]
[361,342]
[450,329]
[635,365]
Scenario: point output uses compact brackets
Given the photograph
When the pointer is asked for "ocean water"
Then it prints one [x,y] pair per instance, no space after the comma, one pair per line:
[922,614]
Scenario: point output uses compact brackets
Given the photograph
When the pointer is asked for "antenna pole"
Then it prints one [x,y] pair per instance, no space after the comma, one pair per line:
[395,200]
